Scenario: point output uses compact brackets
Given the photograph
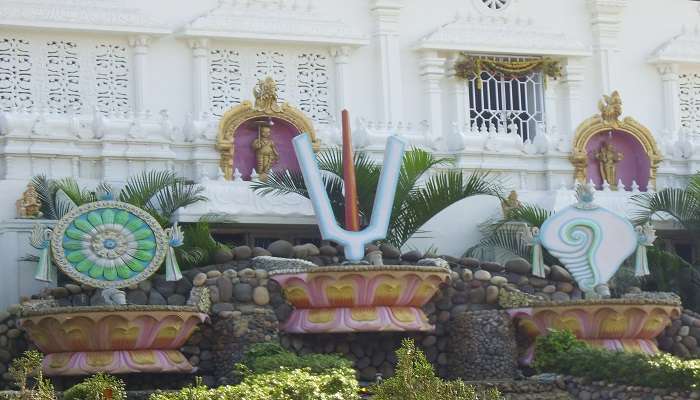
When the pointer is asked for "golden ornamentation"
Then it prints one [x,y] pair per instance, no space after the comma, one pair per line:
[510,203]
[266,154]
[29,205]
[607,120]
[469,67]
[608,157]
[610,108]
[265,107]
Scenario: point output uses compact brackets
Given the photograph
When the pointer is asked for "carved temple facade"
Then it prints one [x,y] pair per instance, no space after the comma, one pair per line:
[103,89]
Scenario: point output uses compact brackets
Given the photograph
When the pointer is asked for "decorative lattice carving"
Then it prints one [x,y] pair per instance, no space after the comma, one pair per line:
[15,74]
[496,4]
[510,101]
[689,99]
[272,63]
[312,83]
[63,77]
[112,78]
[224,79]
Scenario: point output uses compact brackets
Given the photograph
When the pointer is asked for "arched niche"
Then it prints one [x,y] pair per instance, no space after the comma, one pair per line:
[640,154]
[238,129]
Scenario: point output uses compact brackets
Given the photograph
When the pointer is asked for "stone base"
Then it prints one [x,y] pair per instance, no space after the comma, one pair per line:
[481,346]
[357,319]
[116,362]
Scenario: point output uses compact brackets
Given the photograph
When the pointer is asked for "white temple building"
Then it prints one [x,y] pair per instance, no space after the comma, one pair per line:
[103,89]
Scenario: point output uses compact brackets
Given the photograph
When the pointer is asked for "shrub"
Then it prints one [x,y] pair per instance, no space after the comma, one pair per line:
[415,379]
[97,387]
[285,384]
[29,365]
[562,353]
[266,357]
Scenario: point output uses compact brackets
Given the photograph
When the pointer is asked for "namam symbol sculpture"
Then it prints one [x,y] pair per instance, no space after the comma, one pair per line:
[592,243]
[354,297]
[110,245]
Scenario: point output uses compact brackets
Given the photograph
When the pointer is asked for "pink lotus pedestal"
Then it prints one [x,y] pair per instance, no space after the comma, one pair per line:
[359,298]
[112,339]
[615,324]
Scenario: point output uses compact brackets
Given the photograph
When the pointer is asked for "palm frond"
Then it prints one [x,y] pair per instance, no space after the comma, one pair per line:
[63,203]
[74,192]
[140,189]
[530,214]
[46,191]
[439,192]
[280,183]
[507,239]
[174,196]
[680,204]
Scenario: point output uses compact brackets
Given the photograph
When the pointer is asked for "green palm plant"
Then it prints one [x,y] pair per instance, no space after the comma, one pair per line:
[505,234]
[420,193]
[682,205]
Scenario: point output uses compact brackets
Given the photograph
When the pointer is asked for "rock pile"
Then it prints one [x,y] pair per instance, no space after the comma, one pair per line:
[682,337]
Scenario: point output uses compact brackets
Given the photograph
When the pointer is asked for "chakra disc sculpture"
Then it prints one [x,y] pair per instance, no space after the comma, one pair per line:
[109,244]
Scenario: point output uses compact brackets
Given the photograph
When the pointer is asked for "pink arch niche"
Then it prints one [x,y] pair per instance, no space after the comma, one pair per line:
[282,134]
[635,165]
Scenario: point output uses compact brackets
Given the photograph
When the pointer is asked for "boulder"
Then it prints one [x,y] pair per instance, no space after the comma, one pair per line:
[390,251]
[560,274]
[242,252]
[261,296]
[281,248]
[518,266]
[222,255]
[243,292]
[411,256]
[259,252]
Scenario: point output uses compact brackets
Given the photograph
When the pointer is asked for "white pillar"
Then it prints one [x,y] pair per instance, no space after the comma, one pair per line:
[387,14]
[551,100]
[606,21]
[458,97]
[343,84]
[200,77]
[139,47]
[432,71]
[572,82]
[671,100]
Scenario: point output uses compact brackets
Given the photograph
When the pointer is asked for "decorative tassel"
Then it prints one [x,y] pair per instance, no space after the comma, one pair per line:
[40,239]
[645,236]
[641,262]
[175,239]
[45,269]
[537,261]
[531,238]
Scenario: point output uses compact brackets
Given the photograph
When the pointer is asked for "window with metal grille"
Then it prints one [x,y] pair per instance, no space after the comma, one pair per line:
[512,101]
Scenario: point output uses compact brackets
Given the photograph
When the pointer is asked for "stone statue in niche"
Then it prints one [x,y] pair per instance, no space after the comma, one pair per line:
[266,153]
[608,157]
[29,205]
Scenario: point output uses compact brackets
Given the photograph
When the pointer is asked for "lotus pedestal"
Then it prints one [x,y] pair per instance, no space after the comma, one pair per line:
[616,324]
[115,339]
[359,298]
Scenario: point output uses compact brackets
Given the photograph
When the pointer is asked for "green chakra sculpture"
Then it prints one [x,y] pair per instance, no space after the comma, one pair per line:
[107,244]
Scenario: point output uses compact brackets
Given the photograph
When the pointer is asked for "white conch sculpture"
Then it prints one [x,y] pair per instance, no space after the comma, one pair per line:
[592,243]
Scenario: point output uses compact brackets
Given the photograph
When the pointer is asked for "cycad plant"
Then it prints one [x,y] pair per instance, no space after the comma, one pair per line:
[420,194]
[683,205]
[160,193]
[506,234]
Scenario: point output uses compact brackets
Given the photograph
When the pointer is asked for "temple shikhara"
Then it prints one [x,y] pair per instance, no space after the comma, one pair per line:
[380,199]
